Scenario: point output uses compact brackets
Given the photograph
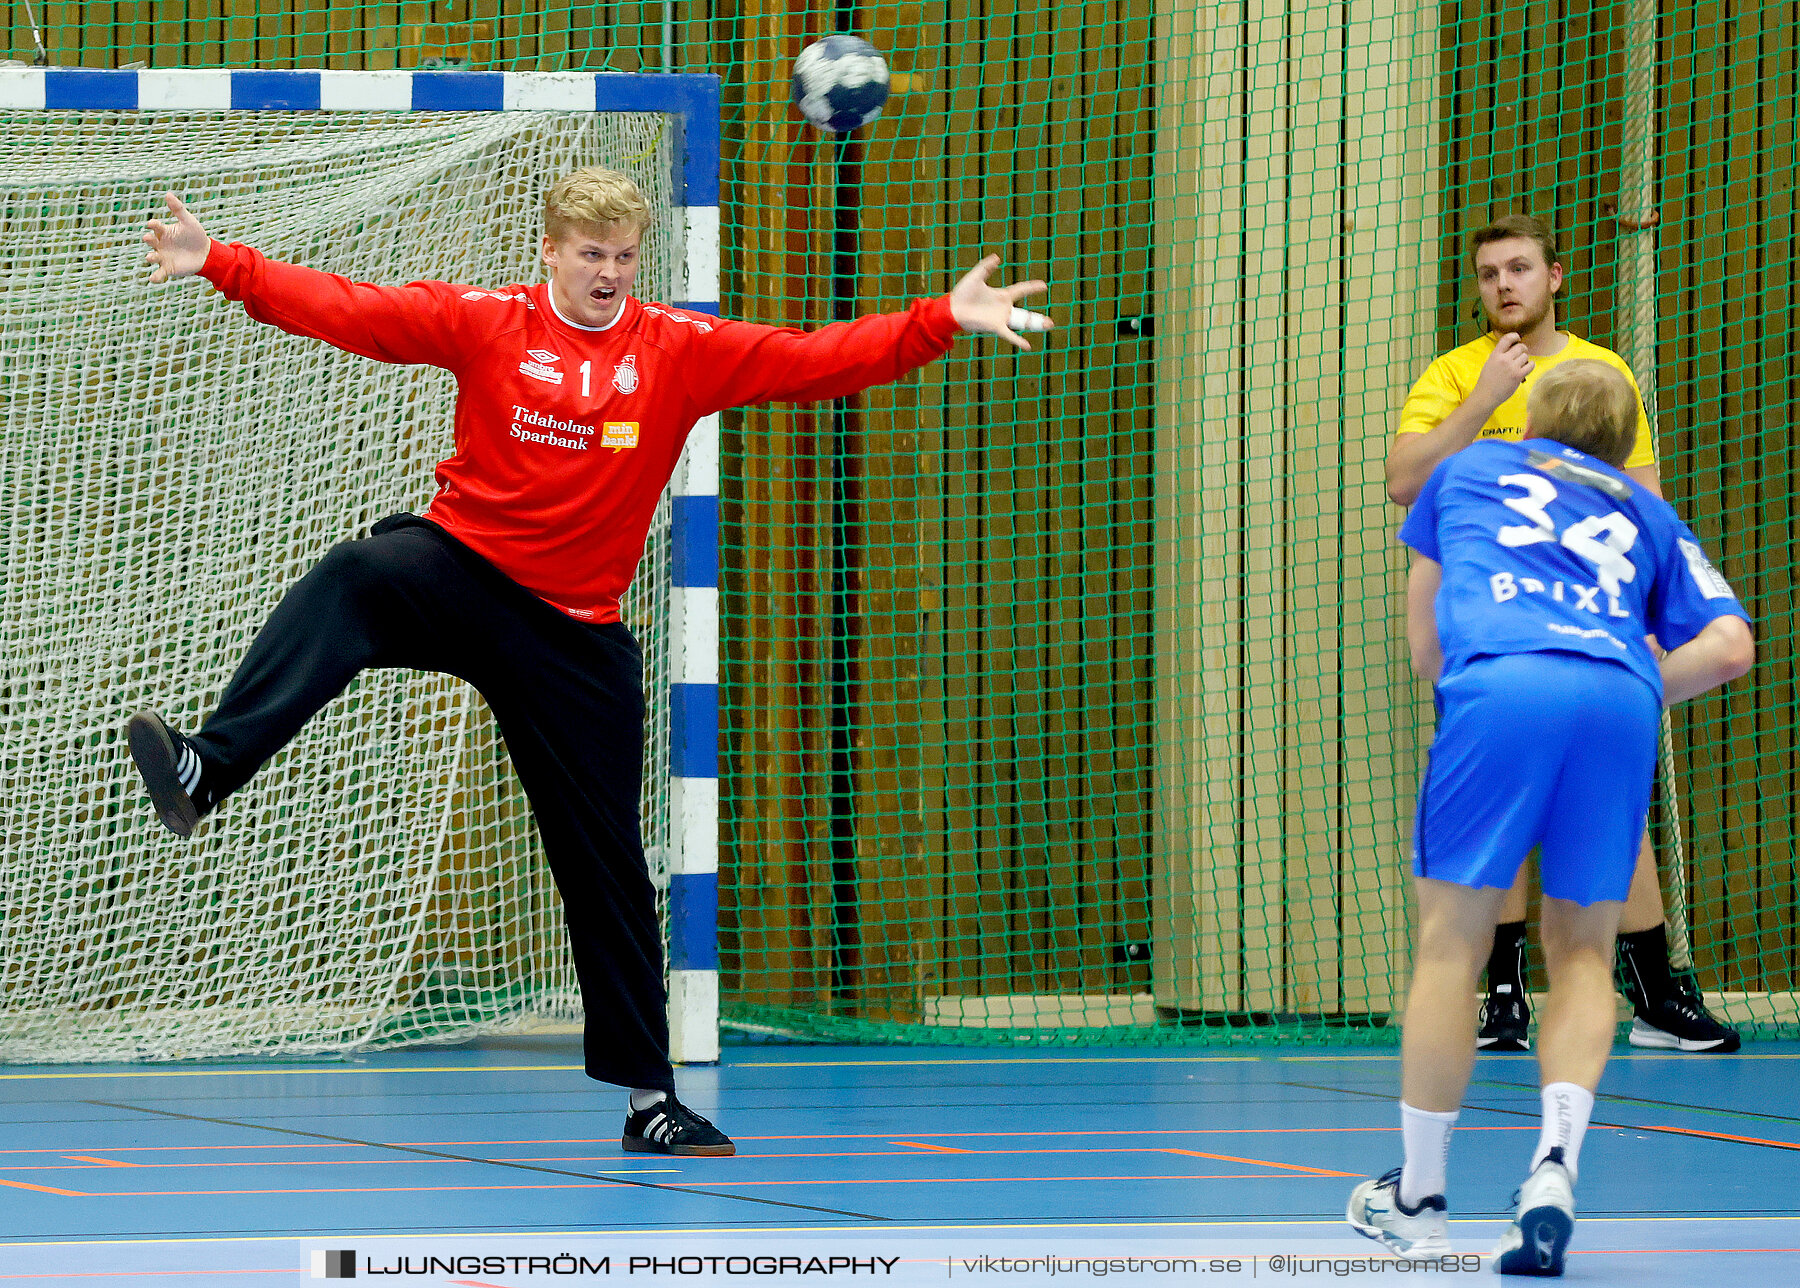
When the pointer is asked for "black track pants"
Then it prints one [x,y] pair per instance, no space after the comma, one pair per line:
[569,700]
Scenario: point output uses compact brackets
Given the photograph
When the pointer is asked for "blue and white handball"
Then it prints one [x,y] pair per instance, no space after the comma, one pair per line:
[840,83]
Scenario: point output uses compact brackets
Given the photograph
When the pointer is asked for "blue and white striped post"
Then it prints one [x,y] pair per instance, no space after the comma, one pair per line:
[691,102]
[694,640]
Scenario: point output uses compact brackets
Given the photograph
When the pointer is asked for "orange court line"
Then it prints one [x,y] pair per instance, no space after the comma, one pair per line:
[1148,1131]
[982,1180]
[45,1189]
[373,1189]
[1259,1162]
[104,1162]
[394,1160]
[881,1136]
[1719,1135]
[693,1185]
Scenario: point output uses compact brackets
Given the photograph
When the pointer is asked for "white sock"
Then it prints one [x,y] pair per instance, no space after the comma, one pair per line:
[1567,1108]
[1427,1136]
[642,1098]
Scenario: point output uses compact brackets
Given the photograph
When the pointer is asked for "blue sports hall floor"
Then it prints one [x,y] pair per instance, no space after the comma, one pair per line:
[499,1164]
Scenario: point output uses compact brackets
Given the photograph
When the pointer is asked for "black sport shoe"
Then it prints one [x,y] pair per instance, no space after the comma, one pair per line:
[670,1127]
[1681,1022]
[1505,1022]
[170,768]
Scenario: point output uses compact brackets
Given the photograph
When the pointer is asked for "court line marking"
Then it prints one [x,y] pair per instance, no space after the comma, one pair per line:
[1263,1162]
[44,1189]
[690,1187]
[1662,1104]
[64,1151]
[287,1071]
[410,1149]
[652,1171]
[1596,1122]
[886,1228]
[281,1071]
[1719,1135]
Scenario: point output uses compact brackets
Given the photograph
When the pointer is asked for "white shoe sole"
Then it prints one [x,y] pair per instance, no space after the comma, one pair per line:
[1543,1234]
[1654,1039]
[1426,1249]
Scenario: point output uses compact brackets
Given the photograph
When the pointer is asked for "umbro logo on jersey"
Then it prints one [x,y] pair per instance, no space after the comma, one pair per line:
[543,355]
[538,371]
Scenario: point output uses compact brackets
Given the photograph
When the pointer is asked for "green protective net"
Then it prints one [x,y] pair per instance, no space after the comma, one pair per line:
[1063,693]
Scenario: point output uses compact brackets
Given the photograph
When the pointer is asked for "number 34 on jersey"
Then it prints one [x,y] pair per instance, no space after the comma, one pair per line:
[1603,540]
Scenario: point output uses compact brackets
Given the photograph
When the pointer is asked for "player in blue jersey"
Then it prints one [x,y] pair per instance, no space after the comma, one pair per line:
[1538,570]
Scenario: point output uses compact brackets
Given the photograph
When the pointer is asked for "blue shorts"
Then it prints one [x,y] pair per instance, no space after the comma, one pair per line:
[1552,750]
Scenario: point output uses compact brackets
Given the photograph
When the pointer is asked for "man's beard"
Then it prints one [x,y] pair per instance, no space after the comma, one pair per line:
[1527,323]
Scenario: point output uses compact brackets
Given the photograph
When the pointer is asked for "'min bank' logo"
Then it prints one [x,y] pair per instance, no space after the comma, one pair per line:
[334,1265]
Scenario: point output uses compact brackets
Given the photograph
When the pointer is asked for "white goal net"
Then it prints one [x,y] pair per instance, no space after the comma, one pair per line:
[167,469]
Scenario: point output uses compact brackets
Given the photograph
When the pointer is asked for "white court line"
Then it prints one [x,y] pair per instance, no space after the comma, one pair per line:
[888,1227]
[313,1070]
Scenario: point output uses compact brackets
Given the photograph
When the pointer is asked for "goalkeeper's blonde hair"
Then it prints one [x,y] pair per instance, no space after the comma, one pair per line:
[593,200]
[1587,405]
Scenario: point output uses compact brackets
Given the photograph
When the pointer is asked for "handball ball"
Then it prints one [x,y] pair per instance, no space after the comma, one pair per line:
[840,82]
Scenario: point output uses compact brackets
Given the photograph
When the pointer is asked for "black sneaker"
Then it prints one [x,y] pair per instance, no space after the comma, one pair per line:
[670,1127]
[1681,1022]
[1505,1022]
[171,770]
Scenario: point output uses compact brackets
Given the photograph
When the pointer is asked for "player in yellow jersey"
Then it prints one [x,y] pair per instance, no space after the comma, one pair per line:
[1479,391]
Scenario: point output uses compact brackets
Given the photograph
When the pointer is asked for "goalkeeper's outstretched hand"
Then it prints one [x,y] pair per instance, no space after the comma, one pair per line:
[177,249]
[991,309]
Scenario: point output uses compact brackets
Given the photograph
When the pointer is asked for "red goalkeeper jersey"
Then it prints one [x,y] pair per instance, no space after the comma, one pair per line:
[566,435]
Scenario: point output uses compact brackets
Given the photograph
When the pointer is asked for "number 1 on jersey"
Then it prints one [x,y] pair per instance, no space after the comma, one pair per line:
[587,370]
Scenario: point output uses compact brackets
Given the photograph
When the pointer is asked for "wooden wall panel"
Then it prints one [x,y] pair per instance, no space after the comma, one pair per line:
[1277,877]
